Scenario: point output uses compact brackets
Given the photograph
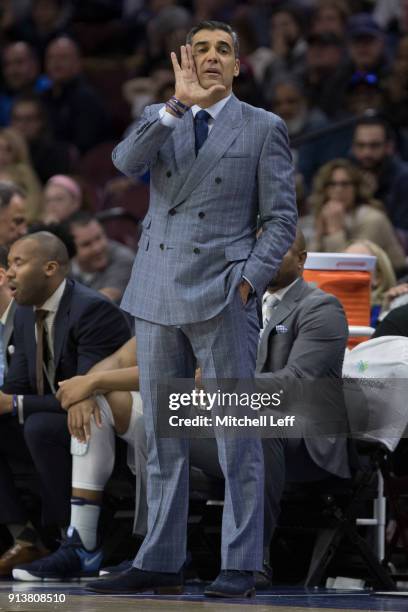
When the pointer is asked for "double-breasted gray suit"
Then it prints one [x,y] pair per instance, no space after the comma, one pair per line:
[305,338]
[198,241]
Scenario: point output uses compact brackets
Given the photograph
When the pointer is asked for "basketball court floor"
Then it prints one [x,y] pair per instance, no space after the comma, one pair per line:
[64,596]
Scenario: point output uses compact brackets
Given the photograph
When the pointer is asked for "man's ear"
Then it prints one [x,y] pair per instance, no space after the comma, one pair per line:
[236,67]
[51,268]
[302,259]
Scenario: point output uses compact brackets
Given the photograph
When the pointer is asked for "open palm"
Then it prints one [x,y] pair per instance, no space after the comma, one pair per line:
[188,89]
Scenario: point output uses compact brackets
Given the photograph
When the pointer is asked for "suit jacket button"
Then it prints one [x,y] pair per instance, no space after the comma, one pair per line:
[196,250]
[201,215]
[168,173]
[218,180]
[172,211]
[162,246]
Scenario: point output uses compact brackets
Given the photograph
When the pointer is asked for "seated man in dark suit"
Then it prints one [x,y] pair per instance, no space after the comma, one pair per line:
[7,309]
[61,329]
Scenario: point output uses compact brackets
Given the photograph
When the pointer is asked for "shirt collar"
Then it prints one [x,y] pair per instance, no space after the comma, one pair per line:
[280,293]
[4,316]
[52,303]
[213,110]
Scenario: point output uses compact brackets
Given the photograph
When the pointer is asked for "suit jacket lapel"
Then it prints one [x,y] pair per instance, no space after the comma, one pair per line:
[184,144]
[281,312]
[225,130]
[61,322]
[8,328]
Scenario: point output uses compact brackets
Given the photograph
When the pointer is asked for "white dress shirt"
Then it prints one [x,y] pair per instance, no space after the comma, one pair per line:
[275,297]
[51,305]
[213,110]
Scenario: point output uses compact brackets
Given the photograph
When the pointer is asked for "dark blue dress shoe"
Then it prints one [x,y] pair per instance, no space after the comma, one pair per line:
[135,580]
[263,579]
[232,583]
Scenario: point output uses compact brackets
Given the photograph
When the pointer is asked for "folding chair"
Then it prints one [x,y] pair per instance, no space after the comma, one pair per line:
[379,404]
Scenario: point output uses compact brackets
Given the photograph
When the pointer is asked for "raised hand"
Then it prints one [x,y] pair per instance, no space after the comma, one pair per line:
[188,89]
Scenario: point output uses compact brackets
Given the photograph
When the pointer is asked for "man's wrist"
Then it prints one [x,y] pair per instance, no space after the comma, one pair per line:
[182,102]
[7,401]
[176,107]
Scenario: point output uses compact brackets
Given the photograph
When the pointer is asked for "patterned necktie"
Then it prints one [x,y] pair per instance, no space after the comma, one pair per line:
[2,354]
[201,129]
[42,349]
[270,302]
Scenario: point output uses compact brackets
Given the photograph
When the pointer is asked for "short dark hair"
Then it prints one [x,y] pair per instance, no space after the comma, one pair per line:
[212,24]
[61,230]
[7,191]
[81,218]
[376,120]
[3,257]
[50,247]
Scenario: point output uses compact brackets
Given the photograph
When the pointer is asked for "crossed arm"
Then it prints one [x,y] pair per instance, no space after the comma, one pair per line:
[118,372]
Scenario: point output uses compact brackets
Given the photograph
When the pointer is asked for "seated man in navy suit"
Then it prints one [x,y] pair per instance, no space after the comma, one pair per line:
[61,329]
[7,309]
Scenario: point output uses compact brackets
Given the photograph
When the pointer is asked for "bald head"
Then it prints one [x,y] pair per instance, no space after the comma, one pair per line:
[299,244]
[50,248]
[292,264]
[62,60]
[38,263]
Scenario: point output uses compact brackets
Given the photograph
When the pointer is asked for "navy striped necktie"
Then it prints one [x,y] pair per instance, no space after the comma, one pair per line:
[201,129]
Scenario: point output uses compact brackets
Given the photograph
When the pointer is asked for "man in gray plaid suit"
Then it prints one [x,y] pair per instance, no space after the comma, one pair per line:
[197,275]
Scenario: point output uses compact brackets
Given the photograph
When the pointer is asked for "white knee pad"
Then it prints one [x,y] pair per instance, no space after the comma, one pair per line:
[135,437]
[92,470]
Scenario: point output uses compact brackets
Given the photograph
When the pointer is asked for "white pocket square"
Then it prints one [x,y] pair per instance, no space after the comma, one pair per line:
[281,329]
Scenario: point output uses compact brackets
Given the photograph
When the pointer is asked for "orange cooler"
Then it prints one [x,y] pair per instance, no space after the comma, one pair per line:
[348,277]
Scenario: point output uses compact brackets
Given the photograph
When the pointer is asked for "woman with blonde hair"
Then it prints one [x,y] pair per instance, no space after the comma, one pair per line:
[383,277]
[344,210]
[15,166]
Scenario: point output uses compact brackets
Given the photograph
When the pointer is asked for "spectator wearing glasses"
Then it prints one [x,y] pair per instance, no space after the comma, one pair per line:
[345,210]
[373,152]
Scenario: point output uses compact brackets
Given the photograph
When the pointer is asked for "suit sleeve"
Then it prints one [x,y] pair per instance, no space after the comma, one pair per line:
[319,345]
[100,331]
[277,208]
[394,324]
[134,155]
[17,379]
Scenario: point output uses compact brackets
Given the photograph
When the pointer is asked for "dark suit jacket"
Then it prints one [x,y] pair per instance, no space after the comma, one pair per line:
[8,336]
[394,324]
[310,344]
[88,327]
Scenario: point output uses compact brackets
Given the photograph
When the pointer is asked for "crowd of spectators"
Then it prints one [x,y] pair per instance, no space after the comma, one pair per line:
[75,76]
